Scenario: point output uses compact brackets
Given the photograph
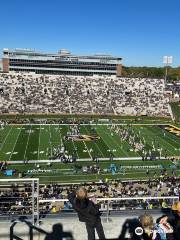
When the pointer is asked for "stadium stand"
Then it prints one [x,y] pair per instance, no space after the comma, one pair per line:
[174,87]
[15,204]
[30,93]
[15,199]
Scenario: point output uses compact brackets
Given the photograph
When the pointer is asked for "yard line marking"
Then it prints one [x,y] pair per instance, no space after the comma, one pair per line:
[75,149]
[170,136]
[95,144]
[27,144]
[106,132]
[72,141]
[39,141]
[61,141]
[15,144]
[50,139]
[87,149]
[162,140]
[166,144]
[172,139]
[2,144]
[74,146]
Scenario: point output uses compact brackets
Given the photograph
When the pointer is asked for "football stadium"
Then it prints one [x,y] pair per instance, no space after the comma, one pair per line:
[89,120]
[117,137]
[62,127]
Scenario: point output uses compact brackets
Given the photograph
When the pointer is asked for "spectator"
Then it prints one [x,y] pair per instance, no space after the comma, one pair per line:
[173,219]
[147,224]
[138,228]
[88,212]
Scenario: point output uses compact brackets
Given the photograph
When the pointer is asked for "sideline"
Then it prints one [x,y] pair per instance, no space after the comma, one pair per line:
[82,160]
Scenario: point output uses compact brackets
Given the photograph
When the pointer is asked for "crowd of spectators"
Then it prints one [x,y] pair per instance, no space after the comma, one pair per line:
[16,199]
[174,89]
[168,186]
[30,93]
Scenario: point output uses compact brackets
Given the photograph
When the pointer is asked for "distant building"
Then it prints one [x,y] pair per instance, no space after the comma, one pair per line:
[63,62]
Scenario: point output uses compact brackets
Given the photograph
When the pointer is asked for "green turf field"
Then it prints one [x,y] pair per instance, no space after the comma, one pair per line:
[36,142]
[71,173]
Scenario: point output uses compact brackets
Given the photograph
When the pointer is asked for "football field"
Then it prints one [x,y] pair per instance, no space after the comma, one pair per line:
[39,142]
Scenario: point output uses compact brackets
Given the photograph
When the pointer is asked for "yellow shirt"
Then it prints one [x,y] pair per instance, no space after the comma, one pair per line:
[53,210]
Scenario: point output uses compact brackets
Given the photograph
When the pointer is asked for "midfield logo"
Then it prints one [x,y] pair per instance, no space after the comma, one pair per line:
[82,138]
[172,129]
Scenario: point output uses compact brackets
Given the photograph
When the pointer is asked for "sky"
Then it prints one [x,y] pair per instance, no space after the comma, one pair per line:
[139,31]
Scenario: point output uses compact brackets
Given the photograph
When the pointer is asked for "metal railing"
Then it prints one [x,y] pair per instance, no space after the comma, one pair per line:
[20,196]
[28,202]
[109,205]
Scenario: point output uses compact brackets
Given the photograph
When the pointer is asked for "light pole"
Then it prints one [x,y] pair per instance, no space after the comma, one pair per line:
[167,60]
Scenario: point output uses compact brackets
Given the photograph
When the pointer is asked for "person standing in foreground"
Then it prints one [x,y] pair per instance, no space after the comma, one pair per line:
[88,212]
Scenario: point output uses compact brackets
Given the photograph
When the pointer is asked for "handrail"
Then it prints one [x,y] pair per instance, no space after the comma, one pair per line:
[19,179]
[112,199]
[108,200]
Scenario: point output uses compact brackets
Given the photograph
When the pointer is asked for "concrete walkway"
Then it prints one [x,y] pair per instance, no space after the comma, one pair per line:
[70,224]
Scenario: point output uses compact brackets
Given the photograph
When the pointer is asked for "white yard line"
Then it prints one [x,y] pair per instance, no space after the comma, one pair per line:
[167,136]
[74,145]
[87,149]
[95,144]
[61,141]
[15,144]
[72,142]
[161,139]
[2,144]
[75,149]
[121,149]
[27,144]
[99,150]
[50,139]
[39,141]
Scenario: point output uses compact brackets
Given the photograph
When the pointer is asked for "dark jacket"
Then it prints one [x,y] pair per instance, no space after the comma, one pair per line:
[87,211]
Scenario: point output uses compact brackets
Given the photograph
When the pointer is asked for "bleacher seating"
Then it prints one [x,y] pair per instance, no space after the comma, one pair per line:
[31,93]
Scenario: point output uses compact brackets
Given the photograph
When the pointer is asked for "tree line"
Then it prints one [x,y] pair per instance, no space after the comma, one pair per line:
[173,74]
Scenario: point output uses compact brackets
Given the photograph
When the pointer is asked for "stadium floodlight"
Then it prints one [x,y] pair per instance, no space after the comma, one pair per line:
[167,60]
